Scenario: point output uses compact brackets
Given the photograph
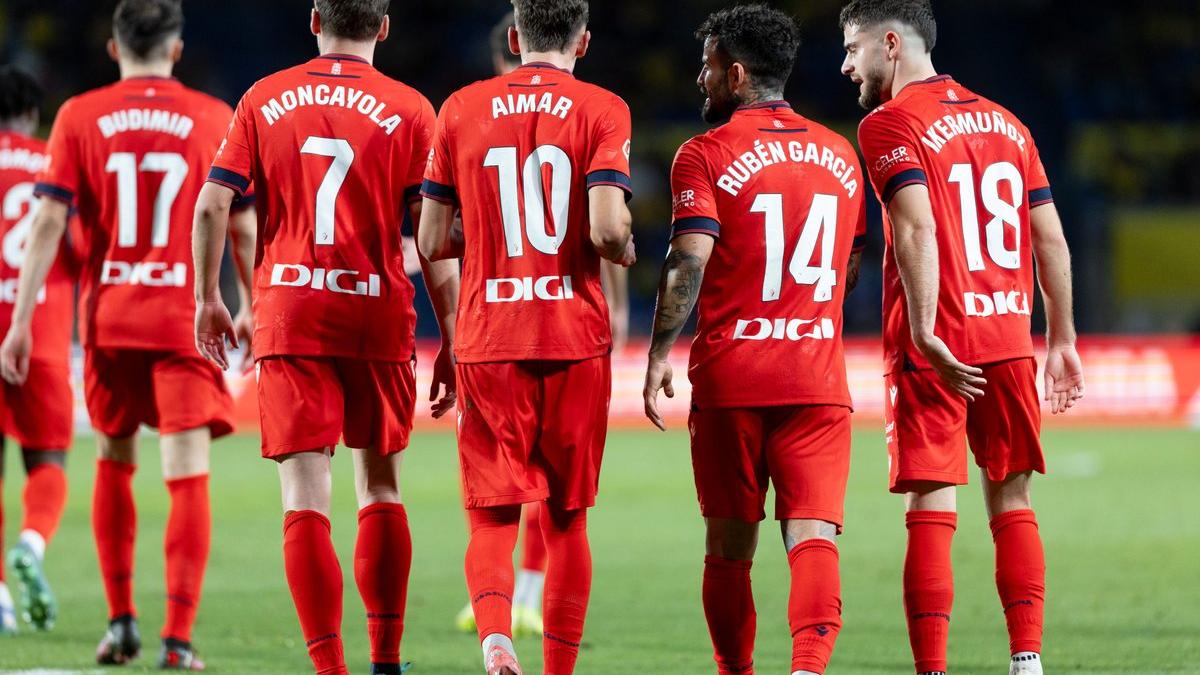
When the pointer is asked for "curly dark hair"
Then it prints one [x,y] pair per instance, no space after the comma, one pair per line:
[20,94]
[357,20]
[761,38]
[499,40]
[916,14]
[143,26]
[550,25]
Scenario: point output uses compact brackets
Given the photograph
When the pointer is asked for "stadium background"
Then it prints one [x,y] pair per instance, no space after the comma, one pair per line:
[1110,90]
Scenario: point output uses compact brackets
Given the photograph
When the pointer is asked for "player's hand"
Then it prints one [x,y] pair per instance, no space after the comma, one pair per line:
[443,378]
[629,257]
[658,376]
[14,354]
[213,325]
[965,380]
[1064,378]
[243,327]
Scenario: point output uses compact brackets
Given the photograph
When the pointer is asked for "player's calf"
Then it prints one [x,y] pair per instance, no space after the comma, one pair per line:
[727,595]
[814,603]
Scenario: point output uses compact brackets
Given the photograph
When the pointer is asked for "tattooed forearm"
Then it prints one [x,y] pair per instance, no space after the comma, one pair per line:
[677,293]
[852,271]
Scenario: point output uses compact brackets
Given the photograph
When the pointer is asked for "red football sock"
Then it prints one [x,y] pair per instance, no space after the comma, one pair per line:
[114,525]
[729,609]
[315,579]
[489,569]
[815,603]
[568,585]
[929,586]
[186,545]
[382,559]
[45,497]
[533,549]
[1020,577]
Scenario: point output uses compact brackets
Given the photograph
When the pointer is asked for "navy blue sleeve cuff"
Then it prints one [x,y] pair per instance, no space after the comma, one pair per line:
[230,179]
[903,179]
[860,242]
[412,193]
[54,192]
[438,192]
[1040,196]
[696,225]
[613,178]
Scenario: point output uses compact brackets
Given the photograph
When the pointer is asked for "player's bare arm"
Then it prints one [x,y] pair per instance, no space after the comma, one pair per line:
[678,290]
[442,281]
[437,236]
[615,280]
[44,238]
[1064,371]
[209,230]
[612,233]
[243,229]
[917,259]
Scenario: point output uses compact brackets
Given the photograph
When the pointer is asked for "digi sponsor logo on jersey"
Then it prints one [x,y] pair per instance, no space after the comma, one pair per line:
[793,330]
[347,282]
[151,274]
[996,304]
[526,289]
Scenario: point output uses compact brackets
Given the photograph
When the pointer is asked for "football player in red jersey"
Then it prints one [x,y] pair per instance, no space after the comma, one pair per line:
[539,163]
[39,413]
[131,158]
[968,212]
[336,151]
[766,195]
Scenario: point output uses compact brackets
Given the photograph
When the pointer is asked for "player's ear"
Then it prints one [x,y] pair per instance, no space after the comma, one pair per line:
[114,50]
[176,50]
[514,41]
[736,76]
[891,44]
[314,22]
[384,29]
[584,41]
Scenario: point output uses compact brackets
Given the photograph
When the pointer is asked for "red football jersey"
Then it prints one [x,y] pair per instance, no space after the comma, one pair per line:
[519,152]
[21,159]
[132,157]
[984,174]
[783,196]
[336,151]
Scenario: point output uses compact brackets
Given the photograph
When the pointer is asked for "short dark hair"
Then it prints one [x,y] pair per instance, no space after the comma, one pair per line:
[499,40]
[357,20]
[20,94]
[917,14]
[761,38]
[143,26]
[550,25]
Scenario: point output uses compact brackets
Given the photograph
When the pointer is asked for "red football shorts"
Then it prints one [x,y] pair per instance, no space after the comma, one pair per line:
[804,451]
[533,430]
[172,391]
[310,403]
[40,414]
[929,425]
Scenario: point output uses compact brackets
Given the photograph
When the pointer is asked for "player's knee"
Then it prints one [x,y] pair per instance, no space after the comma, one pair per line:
[931,496]
[797,531]
[557,519]
[731,539]
[34,458]
[122,450]
[1010,494]
[378,494]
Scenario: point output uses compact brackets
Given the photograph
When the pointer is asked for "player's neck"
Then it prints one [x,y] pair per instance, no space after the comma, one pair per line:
[557,59]
[18,127]
[754,97]
[135,69]
[912,70]
[363,50]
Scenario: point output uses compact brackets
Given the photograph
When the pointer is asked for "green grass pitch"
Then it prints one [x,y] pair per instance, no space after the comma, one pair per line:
[1120,514]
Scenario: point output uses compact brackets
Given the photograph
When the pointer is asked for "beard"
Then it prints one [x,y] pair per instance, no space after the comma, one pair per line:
[871,95]
[719,106]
